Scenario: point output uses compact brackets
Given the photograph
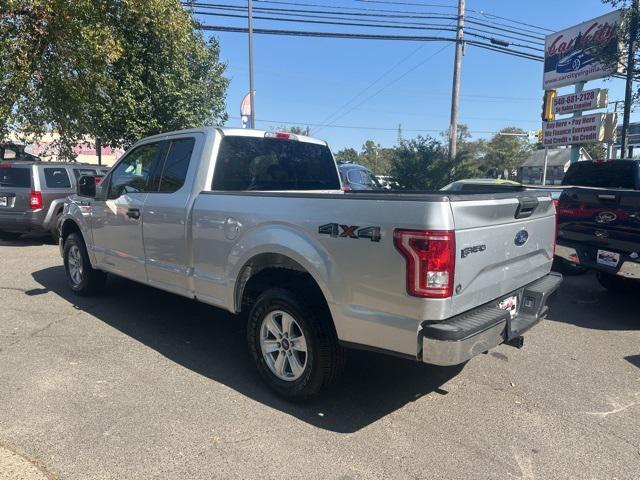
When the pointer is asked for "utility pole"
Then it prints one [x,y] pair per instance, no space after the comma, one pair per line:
[252,117]
[628,92]
[455,90]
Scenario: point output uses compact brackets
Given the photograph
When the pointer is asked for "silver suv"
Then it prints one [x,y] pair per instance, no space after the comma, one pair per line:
[32,194]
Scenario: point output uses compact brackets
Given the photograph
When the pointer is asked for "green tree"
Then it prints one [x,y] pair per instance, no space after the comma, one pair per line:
[108,69]
[347,155]
[596,150]
[293,129]
[423,164]
[505,152]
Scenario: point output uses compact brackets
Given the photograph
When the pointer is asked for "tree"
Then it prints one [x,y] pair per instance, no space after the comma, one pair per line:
[596,150]
[347,155]
[293,129]
[423,164]
[505,152]
[112,70]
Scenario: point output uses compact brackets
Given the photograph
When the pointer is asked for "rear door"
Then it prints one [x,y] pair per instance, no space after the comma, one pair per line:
[15,188]
[502,243]
[165,223]
[118,210]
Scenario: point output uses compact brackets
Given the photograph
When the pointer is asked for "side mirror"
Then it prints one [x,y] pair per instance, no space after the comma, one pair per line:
[86,186]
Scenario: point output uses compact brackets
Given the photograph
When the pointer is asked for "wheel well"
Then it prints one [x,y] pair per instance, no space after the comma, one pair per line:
[274,270]
[69,227]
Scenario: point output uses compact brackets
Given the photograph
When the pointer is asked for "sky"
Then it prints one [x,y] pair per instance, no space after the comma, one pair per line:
[365,89]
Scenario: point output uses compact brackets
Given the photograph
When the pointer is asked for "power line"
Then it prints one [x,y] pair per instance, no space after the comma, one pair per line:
[349,22]
[364,36]
[401,15]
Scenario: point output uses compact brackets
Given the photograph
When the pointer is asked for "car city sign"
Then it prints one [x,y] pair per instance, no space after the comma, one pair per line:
[572,55]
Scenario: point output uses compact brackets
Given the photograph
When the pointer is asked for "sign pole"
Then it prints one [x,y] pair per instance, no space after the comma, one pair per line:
[628,92]
[575,149]
[544,172]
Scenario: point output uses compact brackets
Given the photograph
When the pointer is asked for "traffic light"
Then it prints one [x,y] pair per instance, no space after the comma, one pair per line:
[547,105]
[540,137]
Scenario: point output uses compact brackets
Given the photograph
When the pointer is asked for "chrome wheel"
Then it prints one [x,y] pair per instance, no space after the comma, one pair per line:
[283,345]
[74,265]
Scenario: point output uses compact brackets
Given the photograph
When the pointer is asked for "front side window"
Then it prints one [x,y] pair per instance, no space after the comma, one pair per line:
[132,174]
[267,164]
[176,165]
[56,177]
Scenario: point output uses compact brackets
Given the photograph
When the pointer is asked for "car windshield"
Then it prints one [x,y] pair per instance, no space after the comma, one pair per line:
[620,174]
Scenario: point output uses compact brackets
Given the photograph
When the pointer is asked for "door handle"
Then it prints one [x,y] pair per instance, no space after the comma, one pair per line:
[133,213]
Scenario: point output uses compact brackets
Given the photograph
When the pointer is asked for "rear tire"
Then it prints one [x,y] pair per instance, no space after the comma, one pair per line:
[616,284]
[82,278]
[293,344]
[10,236]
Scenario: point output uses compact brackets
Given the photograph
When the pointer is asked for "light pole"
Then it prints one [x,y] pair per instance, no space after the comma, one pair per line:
[455,90]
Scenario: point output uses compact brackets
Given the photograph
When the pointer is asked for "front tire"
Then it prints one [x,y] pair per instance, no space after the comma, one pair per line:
[293,344]
[82,278]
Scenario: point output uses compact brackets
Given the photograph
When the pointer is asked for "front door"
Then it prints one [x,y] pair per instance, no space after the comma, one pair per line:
[118,210]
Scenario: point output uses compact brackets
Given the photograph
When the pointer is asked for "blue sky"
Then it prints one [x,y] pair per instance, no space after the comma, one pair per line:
[304,81]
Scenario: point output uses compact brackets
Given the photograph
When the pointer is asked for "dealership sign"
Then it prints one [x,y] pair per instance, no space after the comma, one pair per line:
[576,102]
[599,127]
[572,55]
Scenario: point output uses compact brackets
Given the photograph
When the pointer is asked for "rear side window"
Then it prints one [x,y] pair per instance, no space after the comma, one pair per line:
[176,165]
[56,177]
[253,163]
[620,174]
[15,177]
[79,172]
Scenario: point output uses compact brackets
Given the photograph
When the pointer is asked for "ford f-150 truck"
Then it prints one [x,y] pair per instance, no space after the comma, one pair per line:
[257,223]
[599,221]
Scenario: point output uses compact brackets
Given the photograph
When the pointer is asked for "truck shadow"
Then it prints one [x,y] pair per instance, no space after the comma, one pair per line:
[581,301]
[211,342]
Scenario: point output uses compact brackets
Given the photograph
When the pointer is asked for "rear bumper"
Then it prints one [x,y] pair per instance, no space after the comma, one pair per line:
[456,340]
[585,257]
[22,221]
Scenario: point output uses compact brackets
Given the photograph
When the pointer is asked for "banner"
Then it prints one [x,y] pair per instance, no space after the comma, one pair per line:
[599,127]
[576,102]
[573,55]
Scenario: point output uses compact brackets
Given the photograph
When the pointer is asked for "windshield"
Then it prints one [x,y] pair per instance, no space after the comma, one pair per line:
[615,174]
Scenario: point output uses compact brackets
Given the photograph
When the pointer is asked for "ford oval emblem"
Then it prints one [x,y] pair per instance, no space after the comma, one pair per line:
[521,238]
[606,217]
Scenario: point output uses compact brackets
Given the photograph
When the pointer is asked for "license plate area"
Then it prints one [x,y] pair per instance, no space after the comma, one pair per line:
[608,259]
[509,304]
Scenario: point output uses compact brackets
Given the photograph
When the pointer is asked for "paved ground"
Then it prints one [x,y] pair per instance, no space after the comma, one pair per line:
[138,383]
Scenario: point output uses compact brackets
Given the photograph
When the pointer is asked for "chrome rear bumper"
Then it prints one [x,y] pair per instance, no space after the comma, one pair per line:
[456,340]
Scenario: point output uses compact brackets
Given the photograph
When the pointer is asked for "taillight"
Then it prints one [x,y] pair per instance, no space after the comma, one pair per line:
[430,257]
[346,188]
[35,200]
[281,135]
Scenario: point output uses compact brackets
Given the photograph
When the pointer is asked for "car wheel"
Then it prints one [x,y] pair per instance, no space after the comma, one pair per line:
[9,236]
[567,268]
[55,230]
[616,284]
[576,64]
[82,278]
[293,344]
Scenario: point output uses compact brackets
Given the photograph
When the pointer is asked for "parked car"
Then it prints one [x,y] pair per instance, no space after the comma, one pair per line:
[576,60]
[480,184]
[357,177]
[32,194]
[256,223]
[599,221]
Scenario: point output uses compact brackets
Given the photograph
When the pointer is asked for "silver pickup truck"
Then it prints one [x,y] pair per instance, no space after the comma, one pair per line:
[257,223]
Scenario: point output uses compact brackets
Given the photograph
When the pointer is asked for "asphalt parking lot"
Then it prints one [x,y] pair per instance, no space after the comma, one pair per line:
[138,383]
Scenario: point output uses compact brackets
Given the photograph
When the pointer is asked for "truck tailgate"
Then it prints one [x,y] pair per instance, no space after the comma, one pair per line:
[501,245]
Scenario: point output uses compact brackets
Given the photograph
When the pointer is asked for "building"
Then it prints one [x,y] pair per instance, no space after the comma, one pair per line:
[558,161]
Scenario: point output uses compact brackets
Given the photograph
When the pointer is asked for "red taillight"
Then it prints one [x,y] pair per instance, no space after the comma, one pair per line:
[35,200]
[98,180]
[346,188]
[430,257]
